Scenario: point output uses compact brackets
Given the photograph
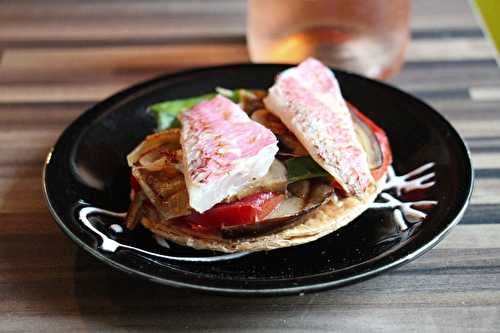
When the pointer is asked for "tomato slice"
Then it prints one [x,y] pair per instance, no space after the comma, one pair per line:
[245,211]
[382,139]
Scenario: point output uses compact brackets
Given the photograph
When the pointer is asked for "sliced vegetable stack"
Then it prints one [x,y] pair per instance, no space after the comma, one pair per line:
[220,170]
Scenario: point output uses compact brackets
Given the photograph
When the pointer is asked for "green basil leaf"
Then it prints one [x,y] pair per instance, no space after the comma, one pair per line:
[300,168]
[233,95]
[166,112]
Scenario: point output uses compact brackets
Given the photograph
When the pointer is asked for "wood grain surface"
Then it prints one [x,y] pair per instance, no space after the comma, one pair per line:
[61,57]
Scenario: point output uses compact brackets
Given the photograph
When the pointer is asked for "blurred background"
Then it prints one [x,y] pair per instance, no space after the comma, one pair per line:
[86,50]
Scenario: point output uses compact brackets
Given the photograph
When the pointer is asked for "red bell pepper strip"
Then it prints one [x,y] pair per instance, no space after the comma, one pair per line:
[248,210]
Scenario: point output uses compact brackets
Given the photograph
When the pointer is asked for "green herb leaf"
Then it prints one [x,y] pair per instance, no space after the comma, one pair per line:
[166,112]
[236,95]
[300,168]
[233,95]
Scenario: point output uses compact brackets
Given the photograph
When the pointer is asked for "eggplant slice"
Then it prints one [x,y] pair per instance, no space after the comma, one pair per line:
[289,211]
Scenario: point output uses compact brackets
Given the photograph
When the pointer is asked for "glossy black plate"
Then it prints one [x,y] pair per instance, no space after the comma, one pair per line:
[87,167]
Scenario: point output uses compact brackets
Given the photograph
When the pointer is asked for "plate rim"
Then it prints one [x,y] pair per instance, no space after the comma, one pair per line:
[292,290]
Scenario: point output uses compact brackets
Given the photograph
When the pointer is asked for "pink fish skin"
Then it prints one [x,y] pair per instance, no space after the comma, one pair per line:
[308,100]
[223,150]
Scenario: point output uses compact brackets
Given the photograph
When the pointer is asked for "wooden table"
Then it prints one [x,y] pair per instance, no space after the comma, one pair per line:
[59,58]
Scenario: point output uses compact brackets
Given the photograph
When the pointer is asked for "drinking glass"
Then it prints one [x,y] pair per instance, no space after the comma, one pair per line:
[368,37]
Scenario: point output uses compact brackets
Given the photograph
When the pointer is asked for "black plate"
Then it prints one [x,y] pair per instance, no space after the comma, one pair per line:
[87,167]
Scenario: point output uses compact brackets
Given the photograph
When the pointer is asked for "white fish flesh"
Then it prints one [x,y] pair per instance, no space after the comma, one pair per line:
[308,101]
[223,151]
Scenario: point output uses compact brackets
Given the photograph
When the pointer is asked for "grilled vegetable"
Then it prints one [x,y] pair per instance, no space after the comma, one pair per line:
[246,211]
[288,212]
[369,142]
[274,181]
[382,143]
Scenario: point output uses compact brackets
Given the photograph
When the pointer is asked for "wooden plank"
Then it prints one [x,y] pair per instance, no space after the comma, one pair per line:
[22,116]
[103,20]
[488,93]
[447,75]
[458,106]
[126,58]
[463,49]
[481,214]
[21,195]
[93,74]
[438,285]
[191,54]
[485,160]
[480,128]
[471,237]
[451,14]
[486,191]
